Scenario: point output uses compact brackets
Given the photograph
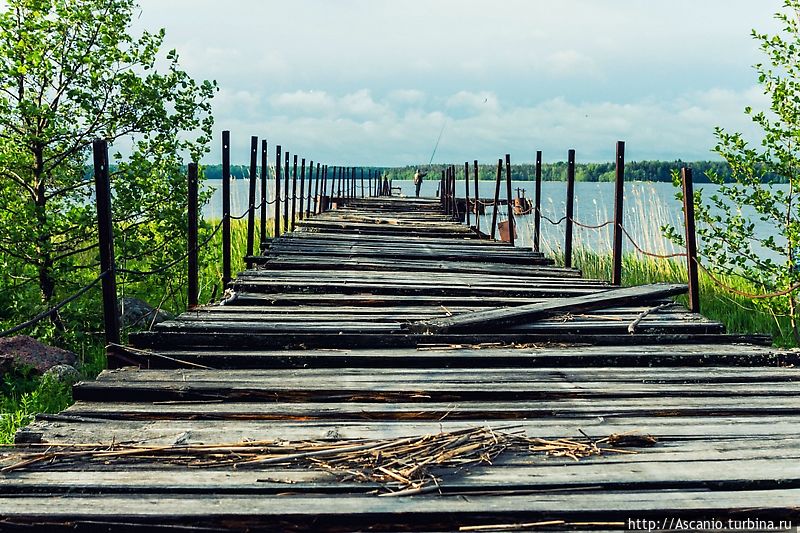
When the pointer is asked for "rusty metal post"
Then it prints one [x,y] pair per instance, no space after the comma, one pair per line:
[477,197]
[191,234]
[691,240]
[510,202]
[537,208]
[466,193]
[226,208]
[277,231]
[453,194]
[263,235]
[323,199]
[441,191]
[294,190]
[105,230]
[308,198]
[251,200]
[302,188]
[619,193]
[286,193]
[570,209]
[316,190]
[495,205]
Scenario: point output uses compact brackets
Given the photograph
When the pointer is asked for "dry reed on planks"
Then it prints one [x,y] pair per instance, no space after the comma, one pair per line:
[402,466]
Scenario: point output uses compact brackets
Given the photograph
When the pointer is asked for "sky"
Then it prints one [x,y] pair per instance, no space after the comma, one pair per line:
[375,82]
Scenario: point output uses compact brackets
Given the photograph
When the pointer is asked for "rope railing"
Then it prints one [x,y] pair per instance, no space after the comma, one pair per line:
[645,252]
[744,294]
[173,263]
[45,314]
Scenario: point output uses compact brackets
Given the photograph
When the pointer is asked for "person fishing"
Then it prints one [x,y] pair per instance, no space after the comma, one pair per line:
[418,175]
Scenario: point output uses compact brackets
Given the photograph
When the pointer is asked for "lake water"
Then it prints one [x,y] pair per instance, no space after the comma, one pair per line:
[648,207]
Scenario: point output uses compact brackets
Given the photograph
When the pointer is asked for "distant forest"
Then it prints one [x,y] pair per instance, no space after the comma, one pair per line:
[634,171]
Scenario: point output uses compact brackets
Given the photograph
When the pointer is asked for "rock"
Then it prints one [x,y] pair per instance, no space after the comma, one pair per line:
[138,313]
[63,373]
[27,351]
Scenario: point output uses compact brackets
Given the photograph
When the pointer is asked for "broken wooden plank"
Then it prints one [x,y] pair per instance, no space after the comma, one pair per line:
[512,316]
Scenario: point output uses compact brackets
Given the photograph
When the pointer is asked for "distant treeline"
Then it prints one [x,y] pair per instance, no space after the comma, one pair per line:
[634,171]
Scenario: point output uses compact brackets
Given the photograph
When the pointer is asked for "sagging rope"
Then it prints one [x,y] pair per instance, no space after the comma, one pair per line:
[589,226]
[171,264]
[44,314]
[645,252]
[748,295]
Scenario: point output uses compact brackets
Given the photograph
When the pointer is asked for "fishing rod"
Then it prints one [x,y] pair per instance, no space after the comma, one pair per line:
[436,146]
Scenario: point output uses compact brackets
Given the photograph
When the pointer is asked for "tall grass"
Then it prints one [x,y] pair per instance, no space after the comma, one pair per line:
[736,313]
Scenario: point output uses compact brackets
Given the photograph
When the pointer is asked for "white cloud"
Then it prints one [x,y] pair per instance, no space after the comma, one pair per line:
[570,63]
[303,102]
[482,102]
[504,76]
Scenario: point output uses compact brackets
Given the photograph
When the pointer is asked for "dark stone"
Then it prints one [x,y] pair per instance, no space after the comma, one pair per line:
[136,313]
[27,351]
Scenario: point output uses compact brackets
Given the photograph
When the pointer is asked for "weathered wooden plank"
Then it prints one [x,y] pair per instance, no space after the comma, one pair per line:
[298,389]
[494,318]
[476,375]
[284,340]
[668,406]
[310,513]
[538,476]
[687,355]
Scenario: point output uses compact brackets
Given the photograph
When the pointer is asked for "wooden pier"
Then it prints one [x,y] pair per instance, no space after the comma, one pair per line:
[386,319]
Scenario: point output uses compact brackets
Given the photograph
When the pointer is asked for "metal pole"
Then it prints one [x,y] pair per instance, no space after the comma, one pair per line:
[537,208]
[570,208]
[362,182]
[286,192]
[105,231]
[323,200]
[191,234]
[619,192]
[226,208]
[495,206]
[277,231]
[441,192]
[308,198]
[477,197]
[316,190]
[466,192]
[294,189]
[302,188]
[251,203]
[691,240]
[263,236]
[510,203]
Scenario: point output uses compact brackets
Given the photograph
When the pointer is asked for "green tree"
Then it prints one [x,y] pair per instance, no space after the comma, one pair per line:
[729,220]
[71,71]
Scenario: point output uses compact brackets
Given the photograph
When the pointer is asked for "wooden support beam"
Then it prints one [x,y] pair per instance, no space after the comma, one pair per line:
[513,316]
[192,212]
[277,230]
[106,241]
[263,233]
[251,198]
[511,222]
[619,194]
[226,208]
[570,208]
[537,205]
[691,240]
